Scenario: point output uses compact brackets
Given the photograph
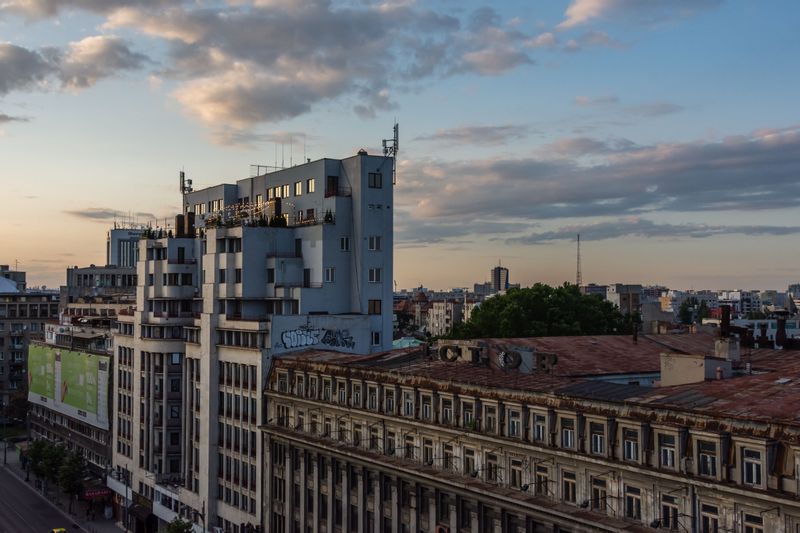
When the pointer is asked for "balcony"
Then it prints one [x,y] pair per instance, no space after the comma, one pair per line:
[338,191]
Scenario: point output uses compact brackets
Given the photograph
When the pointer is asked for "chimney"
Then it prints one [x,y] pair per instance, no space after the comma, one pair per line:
[762,338]
[189,224]
[725,324]
[179,223]
[780,335]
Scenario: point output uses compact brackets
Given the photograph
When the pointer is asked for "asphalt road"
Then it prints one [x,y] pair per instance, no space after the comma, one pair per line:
[22,510]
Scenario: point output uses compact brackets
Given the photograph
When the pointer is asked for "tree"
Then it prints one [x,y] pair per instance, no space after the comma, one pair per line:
[54,455]
[179,526]
[686,310]
[71,474]
[36,452]
[17,408]
[543,311]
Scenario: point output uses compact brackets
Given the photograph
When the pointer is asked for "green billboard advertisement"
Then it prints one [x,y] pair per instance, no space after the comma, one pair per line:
[73,383]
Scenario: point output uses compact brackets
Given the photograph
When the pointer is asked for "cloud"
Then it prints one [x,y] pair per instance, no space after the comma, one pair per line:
[740,173]
[580,146]
[639,227]
[655,109]
[9,118]
[477,135]
[21,68]
[38,9]
[244,66]
[583,11]
[104,214]
[543,40]
[588,101]
[81,65]
[94,58]
[592,39]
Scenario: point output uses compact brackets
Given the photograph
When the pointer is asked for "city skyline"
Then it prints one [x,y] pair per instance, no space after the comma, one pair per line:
[661,134]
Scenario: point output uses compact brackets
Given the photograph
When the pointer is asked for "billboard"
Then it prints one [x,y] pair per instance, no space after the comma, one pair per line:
[72,383]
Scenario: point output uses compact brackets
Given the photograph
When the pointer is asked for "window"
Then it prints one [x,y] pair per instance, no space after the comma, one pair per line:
[567,433]
[389,399]
[491,468]
[426,408]
[539,428]
[468,415]
[298,188]
[516,473]
[666,450]
[753,523]
[427,451]
[490,417]
[631,444]
[568,486]
[375,243]
[707,458]
[709,518]
[376,338]
[408,404]
[599,495]
[330,275]
[751,463]
[310,186]
[598,438]
[514,424]
[469,461]
[238,274]
[375,275]
[344,244]
[286,191]
[447,457]
[447,411]
[375,180]
[633,503]
[542,480]
[669,512]
[221,277]
[270,275]
[374,307]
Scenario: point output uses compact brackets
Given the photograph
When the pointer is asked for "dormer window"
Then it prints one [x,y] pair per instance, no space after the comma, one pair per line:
[707,458]
[568,433]
[631,444]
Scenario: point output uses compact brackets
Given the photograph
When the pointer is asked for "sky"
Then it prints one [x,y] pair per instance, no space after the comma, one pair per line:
[666,133]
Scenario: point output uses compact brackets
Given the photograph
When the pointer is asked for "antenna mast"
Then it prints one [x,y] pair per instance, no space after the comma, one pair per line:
[390,149]
[578,276]
[186,188]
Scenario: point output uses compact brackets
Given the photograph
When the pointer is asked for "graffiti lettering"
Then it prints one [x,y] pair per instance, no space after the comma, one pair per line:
[301,337]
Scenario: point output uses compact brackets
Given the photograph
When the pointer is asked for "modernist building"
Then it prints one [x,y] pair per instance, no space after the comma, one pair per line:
[499,278]
[489,437]
[23,313]
[273,264]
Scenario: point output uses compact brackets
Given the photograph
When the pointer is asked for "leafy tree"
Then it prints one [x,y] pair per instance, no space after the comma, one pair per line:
[543,311]
[71,474]
[686,310]
[179,526]
[54,455]
[36,453]
[703,311]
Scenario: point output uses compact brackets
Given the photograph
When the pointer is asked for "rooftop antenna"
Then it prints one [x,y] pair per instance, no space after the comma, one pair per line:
[185,187]
[390,149]
[578,275]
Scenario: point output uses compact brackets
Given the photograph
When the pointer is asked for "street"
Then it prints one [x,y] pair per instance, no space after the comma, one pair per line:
[22,510]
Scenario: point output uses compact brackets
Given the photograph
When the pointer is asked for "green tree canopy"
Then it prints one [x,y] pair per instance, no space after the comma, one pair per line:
[179,526]
[543,311]
[71,474]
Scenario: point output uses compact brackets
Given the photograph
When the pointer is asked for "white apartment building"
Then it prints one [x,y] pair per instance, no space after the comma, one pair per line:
[444,315]
[291,260]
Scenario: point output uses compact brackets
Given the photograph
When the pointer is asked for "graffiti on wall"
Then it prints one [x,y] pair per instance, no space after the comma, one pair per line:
[305,336]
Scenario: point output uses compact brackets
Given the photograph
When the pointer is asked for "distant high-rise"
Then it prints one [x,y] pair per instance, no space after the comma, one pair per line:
[122,246]
[499,278]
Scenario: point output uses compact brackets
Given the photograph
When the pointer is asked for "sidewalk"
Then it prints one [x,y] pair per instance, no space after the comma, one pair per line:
[61,501]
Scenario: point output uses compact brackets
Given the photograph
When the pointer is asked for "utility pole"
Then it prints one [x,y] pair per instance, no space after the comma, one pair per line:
[578,275]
